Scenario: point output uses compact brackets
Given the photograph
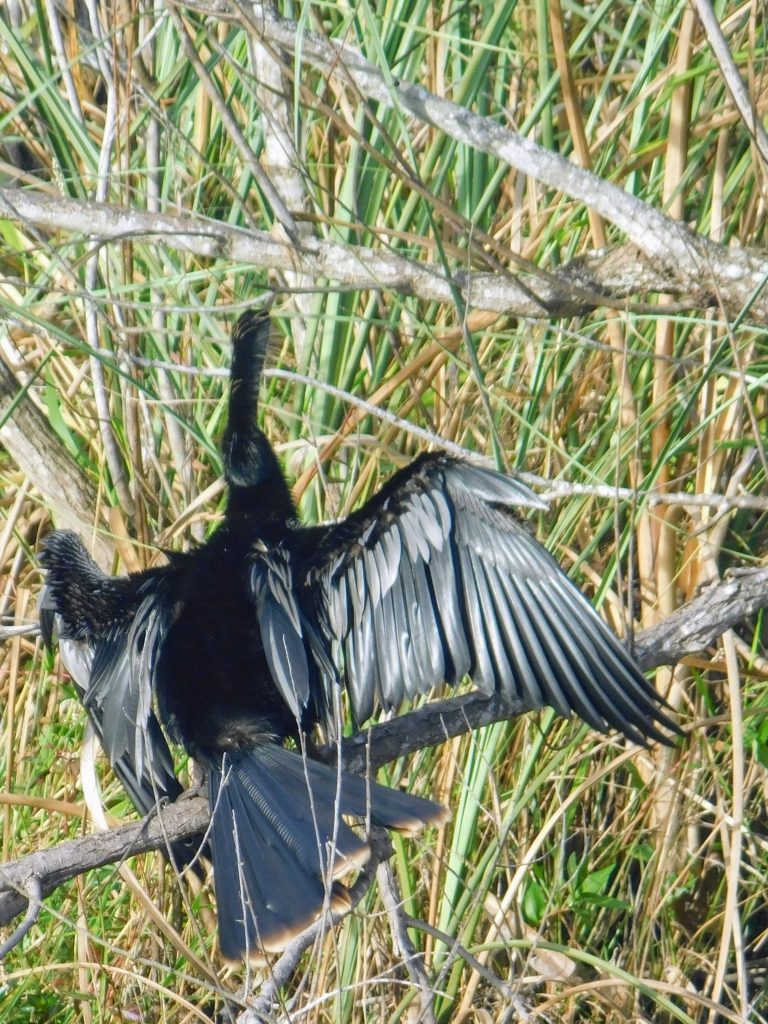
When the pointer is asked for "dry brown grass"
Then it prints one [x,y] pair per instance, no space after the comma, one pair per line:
[631,884]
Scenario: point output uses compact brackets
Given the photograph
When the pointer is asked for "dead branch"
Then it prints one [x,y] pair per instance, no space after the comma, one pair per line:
[698,623]
[357,267]
[604,278]
[50,868]
[689,630]
[666,248]
[38,452]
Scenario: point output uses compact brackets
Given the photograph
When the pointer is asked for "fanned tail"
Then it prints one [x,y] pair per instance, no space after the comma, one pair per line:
[280,844]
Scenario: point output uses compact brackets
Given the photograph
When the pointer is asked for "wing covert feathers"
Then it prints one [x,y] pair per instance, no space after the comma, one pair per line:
[435,579]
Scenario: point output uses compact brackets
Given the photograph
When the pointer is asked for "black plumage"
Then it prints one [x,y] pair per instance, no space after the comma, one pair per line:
[246,642]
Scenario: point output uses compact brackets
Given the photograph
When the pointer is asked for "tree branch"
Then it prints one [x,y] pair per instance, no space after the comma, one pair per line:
[693,627]
[356,267]
[698,266]
[605,278]
[50,868]
[686,632]
[41,456]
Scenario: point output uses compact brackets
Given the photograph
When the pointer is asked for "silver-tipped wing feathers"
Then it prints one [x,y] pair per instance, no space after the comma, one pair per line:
[435,578]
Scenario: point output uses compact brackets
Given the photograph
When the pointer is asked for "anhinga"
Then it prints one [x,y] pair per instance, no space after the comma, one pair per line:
[245,642]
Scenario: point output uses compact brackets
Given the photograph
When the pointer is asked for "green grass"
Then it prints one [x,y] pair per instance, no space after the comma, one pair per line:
[617,862]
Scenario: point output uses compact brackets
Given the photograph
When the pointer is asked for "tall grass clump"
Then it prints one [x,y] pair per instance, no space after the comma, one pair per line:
[580,879]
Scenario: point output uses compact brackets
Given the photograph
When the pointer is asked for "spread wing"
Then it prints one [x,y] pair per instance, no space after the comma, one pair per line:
[109,631]
[434,579]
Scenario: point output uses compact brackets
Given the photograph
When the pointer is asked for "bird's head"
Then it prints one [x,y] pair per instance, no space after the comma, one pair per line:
[250,464]
[243,444]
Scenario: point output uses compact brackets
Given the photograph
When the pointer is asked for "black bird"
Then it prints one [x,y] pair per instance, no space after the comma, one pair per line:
[246,642]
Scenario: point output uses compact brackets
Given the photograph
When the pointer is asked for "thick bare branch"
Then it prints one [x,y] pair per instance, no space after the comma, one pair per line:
[699,622]
[598,279]
[51,868]
[695,263]
[692,628]
[41,456]
[350,266]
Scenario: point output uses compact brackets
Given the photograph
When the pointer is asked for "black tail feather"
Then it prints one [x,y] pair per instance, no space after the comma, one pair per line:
[264,895]
[280,844]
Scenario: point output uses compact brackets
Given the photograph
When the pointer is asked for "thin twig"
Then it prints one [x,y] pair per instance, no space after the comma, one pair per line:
[283,969]
[412,959]
[34,894]
[731,76]
[550,488]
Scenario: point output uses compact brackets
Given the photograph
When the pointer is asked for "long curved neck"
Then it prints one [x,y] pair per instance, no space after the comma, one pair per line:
[257,490]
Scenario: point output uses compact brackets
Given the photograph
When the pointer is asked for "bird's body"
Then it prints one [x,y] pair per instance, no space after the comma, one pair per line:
[214,697]
[246,642]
